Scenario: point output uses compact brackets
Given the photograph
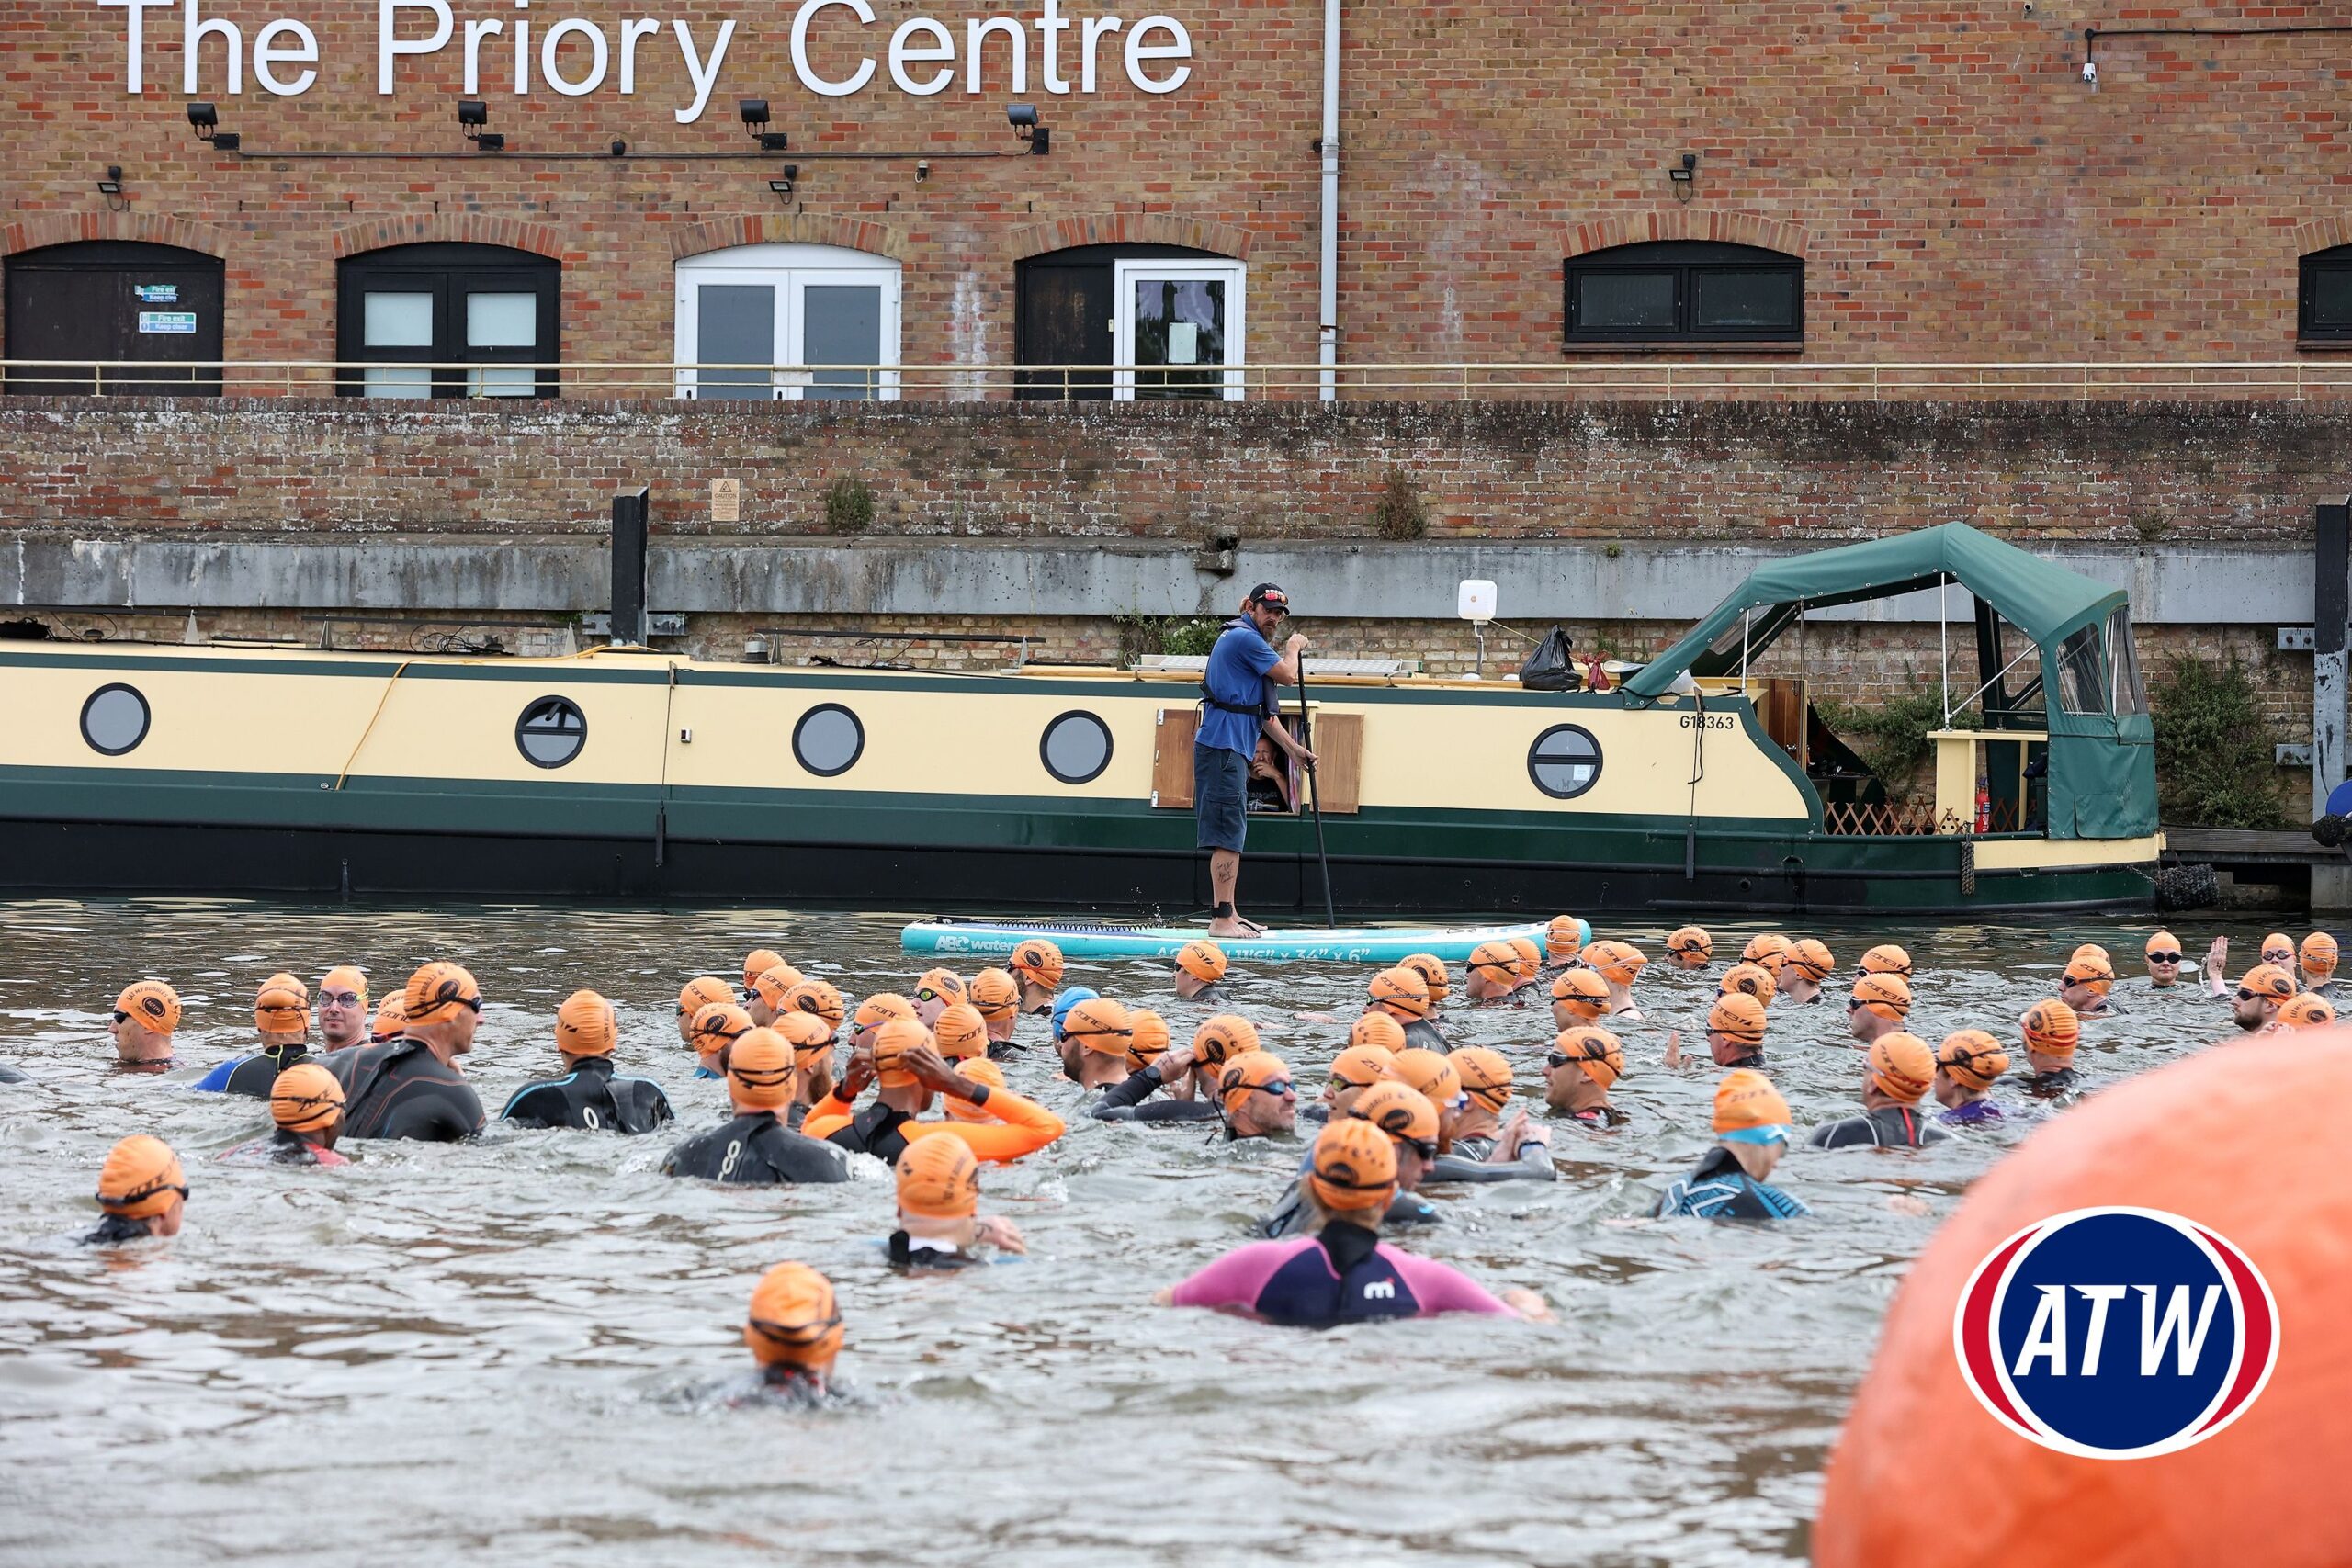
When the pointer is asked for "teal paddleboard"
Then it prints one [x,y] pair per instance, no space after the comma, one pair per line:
[1340,944]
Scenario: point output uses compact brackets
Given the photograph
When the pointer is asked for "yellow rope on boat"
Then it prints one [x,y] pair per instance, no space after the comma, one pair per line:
[371,722]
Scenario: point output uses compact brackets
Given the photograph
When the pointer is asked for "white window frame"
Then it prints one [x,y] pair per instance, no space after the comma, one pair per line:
[1233,275]
[788,269]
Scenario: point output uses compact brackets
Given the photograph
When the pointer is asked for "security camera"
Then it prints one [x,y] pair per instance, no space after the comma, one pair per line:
[2090,71]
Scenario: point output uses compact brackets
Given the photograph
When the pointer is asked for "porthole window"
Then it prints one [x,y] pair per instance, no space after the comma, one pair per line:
[551,732]
[1076,748]
[1565,761]
[828,740]
[114,720]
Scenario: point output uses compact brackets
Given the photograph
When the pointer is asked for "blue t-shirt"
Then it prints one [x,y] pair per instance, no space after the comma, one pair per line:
[1237,674]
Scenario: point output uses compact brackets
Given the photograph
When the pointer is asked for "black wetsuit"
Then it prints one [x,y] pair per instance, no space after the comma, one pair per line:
[591,1096]
[904,1254]
[1209,997]
[1466,1161]
[1424,1035]
[1718,1188]
[1130,1100]
[1600,1116]
[115,1228]
[1753,1059]
[1289,1216]
[2051,1083]
[874,1131]
[255,1074]
[402,1090]
[753,1148]
[1888,1127]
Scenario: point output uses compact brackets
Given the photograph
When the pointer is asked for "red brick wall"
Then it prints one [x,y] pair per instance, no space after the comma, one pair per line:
[1955,188]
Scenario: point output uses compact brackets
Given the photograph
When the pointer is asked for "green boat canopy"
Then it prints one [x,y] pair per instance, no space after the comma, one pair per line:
[2102,762]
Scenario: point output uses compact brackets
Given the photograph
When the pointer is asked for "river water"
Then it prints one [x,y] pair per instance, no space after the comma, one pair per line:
[524,1346]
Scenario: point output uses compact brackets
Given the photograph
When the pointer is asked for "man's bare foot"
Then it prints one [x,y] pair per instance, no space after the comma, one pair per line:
[1249,927]
[1229,925]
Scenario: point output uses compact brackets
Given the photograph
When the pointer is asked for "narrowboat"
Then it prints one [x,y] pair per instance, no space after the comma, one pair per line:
[627,774]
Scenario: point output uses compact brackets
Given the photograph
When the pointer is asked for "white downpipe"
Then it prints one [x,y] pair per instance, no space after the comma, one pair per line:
[1327,336]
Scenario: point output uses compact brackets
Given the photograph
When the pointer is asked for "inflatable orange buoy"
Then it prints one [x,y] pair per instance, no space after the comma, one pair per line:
[2235,1141]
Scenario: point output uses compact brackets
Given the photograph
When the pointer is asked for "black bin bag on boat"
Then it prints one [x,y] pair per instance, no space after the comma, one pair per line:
[1550,668]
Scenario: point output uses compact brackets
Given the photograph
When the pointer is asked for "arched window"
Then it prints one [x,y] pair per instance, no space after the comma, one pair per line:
[106,302]
[485,314]
[1685,291]
[1173,314]
[757,307]
[2323,308]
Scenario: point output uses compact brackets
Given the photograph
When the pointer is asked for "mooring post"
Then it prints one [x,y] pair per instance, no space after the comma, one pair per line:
[631,514]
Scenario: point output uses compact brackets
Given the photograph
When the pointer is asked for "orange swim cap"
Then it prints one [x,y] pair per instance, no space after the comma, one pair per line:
[794,1321]
[1885,994]
[819,1000]
[1616,962]
[140,1178]
[808,1036]
[1737,1017]
[2163,942]
[438,992]
[2092,969]
[2309,1011]
[979,1069]
[1147,1037]
[1811,959]
[759,962]
[995,993]
[1972,1058]
[2053,1029]
[892,1042]
[1486,1075]
[585,1026]
[1353,1167]
[1901,1067]
[1530,956]
[716,1026]
[944,984]
[2278,948]
[152,1004]
[1377,1031]
[1360,1066]
[884,1007]
[1494,959]
[1248,1073]
[1887,959]
[1432,971]
[1431,1074]
[1399,1109]
[1563,938]
[1689,941]
[774,983]
[700,992]
[306,1097]
[346,977]
[2269,980]
[939,1178]
[1203,961]
[1582,992]
[1223,1038]
[760,1071]
[1749,980]
[392,1017]
[1100,1025]
[282,1006]
[1401,991]
[1767,949]
[1600,1053]
[961,1032]
[2319,954]
[1746,1101]
[1038,961]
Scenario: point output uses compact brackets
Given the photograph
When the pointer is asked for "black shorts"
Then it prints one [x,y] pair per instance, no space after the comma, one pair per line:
[1220,797]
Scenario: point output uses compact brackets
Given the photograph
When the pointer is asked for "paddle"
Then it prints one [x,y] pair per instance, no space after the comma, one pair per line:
[1314,795]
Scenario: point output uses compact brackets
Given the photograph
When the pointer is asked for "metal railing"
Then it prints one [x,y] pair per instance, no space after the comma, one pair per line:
[1571,380]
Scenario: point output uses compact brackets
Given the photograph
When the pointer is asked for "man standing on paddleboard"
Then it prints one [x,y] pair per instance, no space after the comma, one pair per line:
[1238,704]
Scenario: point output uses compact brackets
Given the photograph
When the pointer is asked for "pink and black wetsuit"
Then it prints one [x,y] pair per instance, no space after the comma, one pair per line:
[1343,1274]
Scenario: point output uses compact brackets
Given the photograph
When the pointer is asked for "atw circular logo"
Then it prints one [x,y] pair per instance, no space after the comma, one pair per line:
[2116,1333]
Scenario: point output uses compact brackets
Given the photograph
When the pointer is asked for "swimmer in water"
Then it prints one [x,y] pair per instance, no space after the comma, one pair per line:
[1580,1070]
[1200,965]
[1688,948]
[1885,959]
[1378,1030]
[1342,1272]
[1093,1035]
[2309,1011]
[1735,1025]
[763,998]
[940,1224]
[2265,989]
[1620,963]
[2163,956]
[1967,1065]
[755,1147]
[1352,1071]
[412,1087]
[1147,1037]
[142,1191]
[343,1008]
[1037,964]
[1578,996]
[938,991]
[1484,1147]
[1899,1072]
[1130,1100]
[1769,950]
[881,1008]
[1434,974]
[1404,995]
[908,1070]
[794,1332]
[1563,941]
[391,1018]
[998,998]
[812,1062]
[1492,974]
[2051,1037]
[1751,1124]
[1528,965]
[758,962]
[2317,958]
[1879,1004]
[589,1095]
[1411,1121]
[1749,980]
[282,1019]
[2088,977]
[1432,1075]
[2278,949]
[145,1017]
[697,994]
[960,1033]
[306,1104]
[1256,1096]
[1810,963]
[713,1029]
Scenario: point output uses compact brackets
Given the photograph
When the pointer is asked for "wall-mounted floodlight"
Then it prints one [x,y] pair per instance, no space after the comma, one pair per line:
[1022,118]
[756,115]
[473,112]
[205,118]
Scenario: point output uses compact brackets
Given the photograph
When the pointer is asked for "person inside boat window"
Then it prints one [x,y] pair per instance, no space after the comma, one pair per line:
[1752,1130]
[2051,1035]
[1899,1072]
[1578,1071]
[145,1016]
[306,1104]
[1967,1065]
[282,1019]
[1269,780]
[343,1008]
[142,1191]
[1237,705]
[940,1224]
[589,1095]
[412,1087]
[756,1147]
[1734,1033]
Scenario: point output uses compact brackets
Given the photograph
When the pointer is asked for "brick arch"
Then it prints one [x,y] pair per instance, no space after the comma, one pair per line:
[1687,222]
[788,228]
[2322,234]
[1131,229]
[447,228]
[35,230]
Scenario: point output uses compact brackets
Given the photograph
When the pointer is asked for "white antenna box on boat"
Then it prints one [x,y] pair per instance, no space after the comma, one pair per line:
[1477,602]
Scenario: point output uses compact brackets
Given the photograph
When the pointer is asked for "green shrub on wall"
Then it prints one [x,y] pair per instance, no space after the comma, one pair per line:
[2214,767]
[1891,736]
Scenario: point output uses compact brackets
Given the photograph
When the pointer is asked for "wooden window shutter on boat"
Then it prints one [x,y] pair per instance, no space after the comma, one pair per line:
[1339,767]
[1171,757]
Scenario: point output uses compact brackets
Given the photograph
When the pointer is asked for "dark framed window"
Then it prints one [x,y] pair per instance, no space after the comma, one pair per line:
[1063,304]
[551,732]
[483,312]
[1685,290]
[114,719]
[2323,298]
[1076,748]
[828,741]
[1565,761]
[95,303]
